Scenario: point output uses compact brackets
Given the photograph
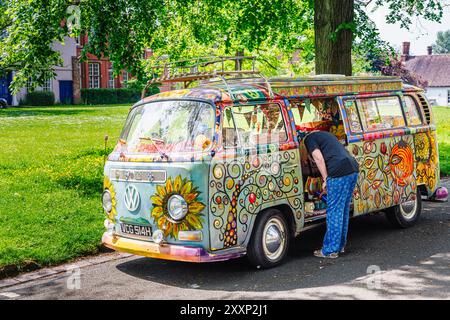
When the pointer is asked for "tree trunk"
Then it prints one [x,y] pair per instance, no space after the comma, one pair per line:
[238,62]
[333,53]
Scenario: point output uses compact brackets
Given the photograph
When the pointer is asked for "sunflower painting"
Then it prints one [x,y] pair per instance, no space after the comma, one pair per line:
[193,219]
[107,185]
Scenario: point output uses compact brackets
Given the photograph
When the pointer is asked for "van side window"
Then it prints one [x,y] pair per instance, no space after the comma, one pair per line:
[353,117]
[411,112]
[258,124]
[229,135]
[381,113]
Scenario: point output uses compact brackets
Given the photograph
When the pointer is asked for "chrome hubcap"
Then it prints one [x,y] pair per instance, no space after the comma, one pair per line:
[274,239]
[408,209]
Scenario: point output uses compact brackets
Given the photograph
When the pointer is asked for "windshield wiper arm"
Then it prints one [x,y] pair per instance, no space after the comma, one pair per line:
[162,153]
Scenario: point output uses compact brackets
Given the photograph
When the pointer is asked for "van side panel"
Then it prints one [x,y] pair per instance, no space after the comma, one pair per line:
[387,173]
[427,153]
[242,185]
[427,160]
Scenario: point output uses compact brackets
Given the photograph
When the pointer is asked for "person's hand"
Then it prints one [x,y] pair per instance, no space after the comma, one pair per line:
[324,186]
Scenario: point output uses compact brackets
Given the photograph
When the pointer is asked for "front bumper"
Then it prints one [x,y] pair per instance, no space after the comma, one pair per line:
[166,251]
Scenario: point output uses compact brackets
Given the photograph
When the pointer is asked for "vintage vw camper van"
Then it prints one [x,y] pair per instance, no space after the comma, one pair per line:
[219,170]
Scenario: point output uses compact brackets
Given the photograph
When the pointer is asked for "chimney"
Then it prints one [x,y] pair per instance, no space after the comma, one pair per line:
[405,54]
[430,50]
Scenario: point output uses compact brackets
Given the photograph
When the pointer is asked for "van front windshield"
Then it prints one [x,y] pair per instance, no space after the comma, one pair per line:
[169,127]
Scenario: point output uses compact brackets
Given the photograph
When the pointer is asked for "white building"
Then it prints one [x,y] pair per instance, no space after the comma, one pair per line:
[62,84]
[435,69]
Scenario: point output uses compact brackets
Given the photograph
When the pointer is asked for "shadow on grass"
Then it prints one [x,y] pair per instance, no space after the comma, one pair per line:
[50,112]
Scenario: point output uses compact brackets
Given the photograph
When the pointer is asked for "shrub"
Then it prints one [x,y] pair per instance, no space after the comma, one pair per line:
[112,96]
[39,98]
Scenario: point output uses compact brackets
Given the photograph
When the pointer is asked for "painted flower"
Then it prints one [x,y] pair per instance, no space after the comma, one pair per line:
[401,162]
[107,185]
[184,188]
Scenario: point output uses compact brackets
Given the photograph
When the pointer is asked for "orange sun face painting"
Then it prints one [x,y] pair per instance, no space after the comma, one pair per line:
[401,162]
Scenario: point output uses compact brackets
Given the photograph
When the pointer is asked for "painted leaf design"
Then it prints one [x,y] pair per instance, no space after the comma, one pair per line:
[380,162]
[376,184]
[368,162]
[371,174]
[386,179]
[377,199]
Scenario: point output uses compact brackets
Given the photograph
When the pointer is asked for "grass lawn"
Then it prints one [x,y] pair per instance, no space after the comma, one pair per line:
[442,116]
[51,180]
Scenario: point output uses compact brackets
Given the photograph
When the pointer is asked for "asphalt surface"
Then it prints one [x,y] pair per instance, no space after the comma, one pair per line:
[381,262]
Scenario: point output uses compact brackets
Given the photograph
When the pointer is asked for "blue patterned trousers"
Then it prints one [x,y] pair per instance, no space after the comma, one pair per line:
[339,195]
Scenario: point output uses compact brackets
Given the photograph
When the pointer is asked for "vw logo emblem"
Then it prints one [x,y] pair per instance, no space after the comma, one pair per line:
[132,198]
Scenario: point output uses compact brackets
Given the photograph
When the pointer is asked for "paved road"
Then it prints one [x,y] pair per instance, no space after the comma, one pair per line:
[412,263]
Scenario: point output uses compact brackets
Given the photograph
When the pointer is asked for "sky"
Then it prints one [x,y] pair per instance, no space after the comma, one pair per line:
[422,33]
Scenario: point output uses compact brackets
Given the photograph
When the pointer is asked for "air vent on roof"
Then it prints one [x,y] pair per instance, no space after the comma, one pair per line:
[426,108]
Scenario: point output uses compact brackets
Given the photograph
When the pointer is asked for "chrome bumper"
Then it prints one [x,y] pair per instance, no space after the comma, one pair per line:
[166,251]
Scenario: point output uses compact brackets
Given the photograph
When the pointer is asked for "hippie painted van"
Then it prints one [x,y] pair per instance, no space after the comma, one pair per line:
[219,170]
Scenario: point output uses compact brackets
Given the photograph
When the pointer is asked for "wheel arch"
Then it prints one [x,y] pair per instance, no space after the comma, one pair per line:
[286,211]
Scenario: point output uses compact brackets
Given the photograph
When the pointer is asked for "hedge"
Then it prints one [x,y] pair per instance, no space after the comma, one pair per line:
[112,96]
[39,98]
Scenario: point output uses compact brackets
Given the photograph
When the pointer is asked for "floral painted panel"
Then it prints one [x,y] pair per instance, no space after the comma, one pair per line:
[186,189]
[243,186]
[427,160]
[387,176]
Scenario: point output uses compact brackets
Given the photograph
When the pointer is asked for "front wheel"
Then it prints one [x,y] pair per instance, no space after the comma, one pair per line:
[405,214]
[270,240]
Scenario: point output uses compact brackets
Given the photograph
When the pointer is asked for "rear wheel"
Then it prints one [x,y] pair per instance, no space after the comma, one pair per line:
[405,214]
[270,240]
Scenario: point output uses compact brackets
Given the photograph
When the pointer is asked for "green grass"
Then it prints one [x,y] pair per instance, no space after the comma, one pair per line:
[51,164]
[442,116]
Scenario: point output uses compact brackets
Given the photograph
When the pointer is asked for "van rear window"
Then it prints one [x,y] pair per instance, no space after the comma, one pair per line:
[381,113]
[412,113]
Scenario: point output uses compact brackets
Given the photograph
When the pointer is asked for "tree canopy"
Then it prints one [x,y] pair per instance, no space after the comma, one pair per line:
[442,44]
[122,29]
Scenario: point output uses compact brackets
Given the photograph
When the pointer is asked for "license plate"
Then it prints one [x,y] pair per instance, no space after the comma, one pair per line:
[142,231]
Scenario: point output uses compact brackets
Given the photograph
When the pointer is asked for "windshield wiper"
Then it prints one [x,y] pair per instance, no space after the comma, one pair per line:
[162,153]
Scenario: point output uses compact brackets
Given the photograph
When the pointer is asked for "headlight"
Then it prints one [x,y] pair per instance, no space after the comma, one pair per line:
[177,207]
[107,201]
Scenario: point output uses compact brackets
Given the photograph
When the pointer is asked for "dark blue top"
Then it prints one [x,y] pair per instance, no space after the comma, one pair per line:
[338,160]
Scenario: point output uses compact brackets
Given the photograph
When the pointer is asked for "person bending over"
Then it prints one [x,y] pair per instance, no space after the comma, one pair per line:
[339,171]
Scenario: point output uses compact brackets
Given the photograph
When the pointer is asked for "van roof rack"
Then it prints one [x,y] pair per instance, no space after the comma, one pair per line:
[218,70]
[208,70]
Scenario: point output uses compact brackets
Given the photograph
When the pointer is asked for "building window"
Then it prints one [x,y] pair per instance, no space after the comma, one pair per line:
[125,79]
[29,85]
[47,86]
[448,97]
[94,75]
[110,78]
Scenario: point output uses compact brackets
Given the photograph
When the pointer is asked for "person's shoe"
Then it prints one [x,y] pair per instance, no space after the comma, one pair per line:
[342,250]
[319,254]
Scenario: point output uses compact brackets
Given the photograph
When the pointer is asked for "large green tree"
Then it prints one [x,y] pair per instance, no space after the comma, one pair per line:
[442,44]
[121,29]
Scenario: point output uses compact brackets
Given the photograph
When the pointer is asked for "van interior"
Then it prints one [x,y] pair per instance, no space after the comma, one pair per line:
[310,115]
